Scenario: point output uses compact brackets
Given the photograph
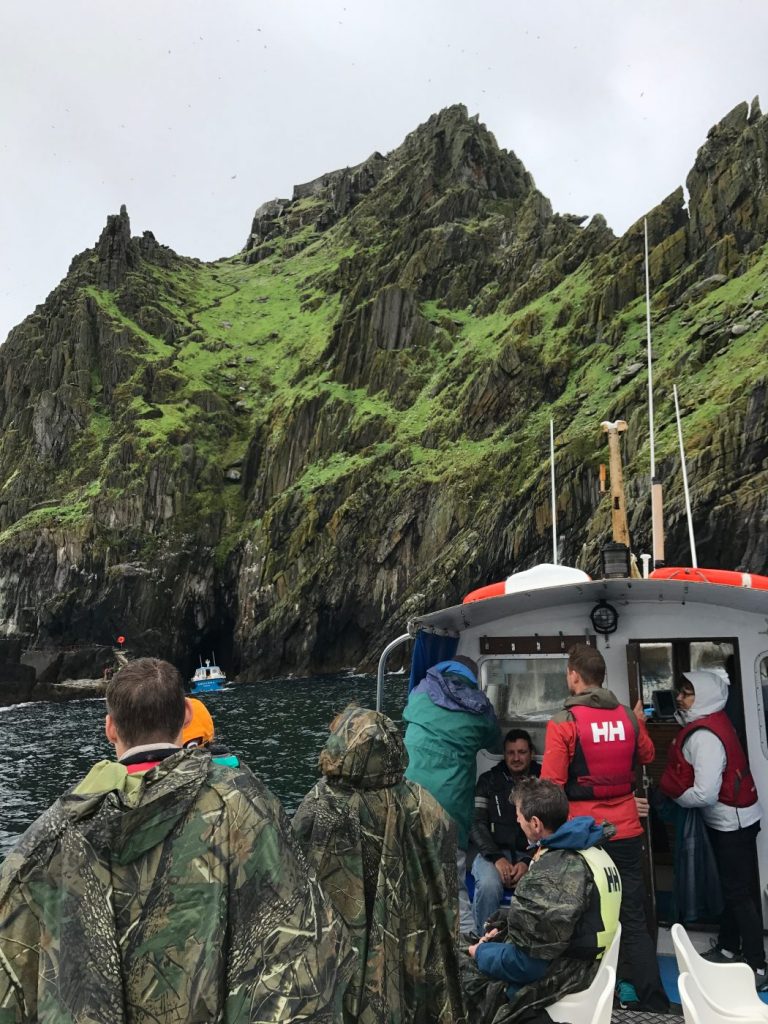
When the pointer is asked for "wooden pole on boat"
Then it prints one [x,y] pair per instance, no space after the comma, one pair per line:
[619,524]
[686,492]
[657,499]
[552,488]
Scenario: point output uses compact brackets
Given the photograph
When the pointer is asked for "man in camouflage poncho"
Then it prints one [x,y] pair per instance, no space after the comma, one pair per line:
[563,918]
[165,889]
[384,851]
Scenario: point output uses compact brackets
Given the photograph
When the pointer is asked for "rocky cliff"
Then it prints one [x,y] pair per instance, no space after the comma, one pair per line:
[282,455]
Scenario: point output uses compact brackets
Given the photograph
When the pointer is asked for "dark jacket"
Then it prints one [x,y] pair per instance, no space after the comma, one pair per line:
[494,826]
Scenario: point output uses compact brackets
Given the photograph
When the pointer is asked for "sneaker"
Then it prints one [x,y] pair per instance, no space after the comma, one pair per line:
[718,955]
[761,979]
[627,996]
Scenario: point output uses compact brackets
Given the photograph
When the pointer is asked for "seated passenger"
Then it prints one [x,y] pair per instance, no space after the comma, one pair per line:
[565,910]
[164,888]
[707,768]
[199,731]
[380,846]
[497,845]
[449,720]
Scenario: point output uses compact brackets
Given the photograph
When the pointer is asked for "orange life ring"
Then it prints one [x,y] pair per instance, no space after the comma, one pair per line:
[492,590]
[724,577]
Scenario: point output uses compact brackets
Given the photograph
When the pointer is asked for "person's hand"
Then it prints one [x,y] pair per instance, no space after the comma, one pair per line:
[473,949]
[639,711]
[504,869]
[642,806]
[518,870]
[497,922]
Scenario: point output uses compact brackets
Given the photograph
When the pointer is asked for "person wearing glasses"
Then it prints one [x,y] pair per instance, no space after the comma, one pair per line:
[707,769]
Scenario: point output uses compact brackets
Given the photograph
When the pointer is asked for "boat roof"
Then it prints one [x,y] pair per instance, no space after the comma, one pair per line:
[620,591]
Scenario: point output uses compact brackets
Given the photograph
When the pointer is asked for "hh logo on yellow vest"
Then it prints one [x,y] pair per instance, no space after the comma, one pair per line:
[607,731]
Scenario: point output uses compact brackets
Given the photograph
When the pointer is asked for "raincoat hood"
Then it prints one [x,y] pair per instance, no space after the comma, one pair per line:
[595,697]
[364,751]
[711,689]
[130,814]
[457,668]
[454,690]
[577,834]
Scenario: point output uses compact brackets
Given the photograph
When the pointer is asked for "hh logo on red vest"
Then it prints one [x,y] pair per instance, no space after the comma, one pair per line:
[607,731]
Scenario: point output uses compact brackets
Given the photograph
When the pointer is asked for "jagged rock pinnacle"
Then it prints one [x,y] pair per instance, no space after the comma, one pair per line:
[114,250]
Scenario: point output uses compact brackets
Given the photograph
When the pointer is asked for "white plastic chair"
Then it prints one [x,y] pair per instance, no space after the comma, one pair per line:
[698,1010]
[572,1003]
[728,988]
[592,1006]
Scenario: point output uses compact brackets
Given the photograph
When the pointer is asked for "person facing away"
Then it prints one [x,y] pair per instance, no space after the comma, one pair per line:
[379,845]
[565,911]
[448,721]
[498,847]
[591,749]
[708,769]
[164,887]
[199,731]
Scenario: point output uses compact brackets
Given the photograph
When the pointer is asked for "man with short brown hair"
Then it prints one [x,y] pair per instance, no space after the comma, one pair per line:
[498,854]
[165,887]
[591,749]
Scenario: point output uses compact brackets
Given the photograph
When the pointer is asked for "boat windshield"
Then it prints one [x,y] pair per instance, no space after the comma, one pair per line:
[526,691]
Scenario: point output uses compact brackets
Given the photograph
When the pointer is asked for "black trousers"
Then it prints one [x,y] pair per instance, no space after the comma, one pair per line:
[741,924]
[637,953]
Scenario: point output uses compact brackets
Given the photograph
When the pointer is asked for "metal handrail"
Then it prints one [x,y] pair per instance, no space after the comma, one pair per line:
[382,667]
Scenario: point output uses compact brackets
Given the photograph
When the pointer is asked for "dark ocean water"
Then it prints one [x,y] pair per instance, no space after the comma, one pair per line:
[277,728]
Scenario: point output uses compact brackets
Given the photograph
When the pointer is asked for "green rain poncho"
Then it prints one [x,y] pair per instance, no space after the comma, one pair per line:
[384,852]
[177,896]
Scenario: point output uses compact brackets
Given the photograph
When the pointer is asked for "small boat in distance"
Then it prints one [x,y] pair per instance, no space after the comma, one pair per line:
[208,678]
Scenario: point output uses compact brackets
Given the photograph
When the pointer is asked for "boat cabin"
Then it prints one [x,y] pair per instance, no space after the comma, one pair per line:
[648,630]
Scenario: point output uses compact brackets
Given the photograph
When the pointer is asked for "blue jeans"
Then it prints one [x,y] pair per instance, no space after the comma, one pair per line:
[506,962]
[489,890]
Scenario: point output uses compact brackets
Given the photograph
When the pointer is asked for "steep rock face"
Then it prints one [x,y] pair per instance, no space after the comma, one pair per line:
[728,183]
[283,455]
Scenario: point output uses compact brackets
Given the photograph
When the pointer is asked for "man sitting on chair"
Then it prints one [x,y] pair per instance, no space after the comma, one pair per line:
[566,907]
[498,847]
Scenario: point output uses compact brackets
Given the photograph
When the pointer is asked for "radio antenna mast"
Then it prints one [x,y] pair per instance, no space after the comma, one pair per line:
[657,509]
[552,488]
[688,514]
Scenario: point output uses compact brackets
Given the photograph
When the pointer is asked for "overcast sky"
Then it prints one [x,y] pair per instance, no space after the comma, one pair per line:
[193,113]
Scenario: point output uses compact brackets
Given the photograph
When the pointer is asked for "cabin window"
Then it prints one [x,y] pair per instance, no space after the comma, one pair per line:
[657,669]
[762,687]
[662,662]
[525,691]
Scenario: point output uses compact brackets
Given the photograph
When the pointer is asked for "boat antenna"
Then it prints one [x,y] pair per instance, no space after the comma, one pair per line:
[552,488]
[686,492]
[657,503]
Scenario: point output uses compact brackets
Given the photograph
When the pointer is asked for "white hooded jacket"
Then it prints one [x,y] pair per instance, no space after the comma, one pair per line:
[706,754]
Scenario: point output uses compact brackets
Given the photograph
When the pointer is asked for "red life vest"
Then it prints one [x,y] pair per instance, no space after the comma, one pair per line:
[603,763]
[738,786]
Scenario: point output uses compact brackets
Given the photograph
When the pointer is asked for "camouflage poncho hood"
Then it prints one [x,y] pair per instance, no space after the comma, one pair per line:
[364,751]
[177,895]
[385,854]
[123,812]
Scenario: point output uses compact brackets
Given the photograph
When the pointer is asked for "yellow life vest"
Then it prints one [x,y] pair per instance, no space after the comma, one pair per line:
[608,903]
